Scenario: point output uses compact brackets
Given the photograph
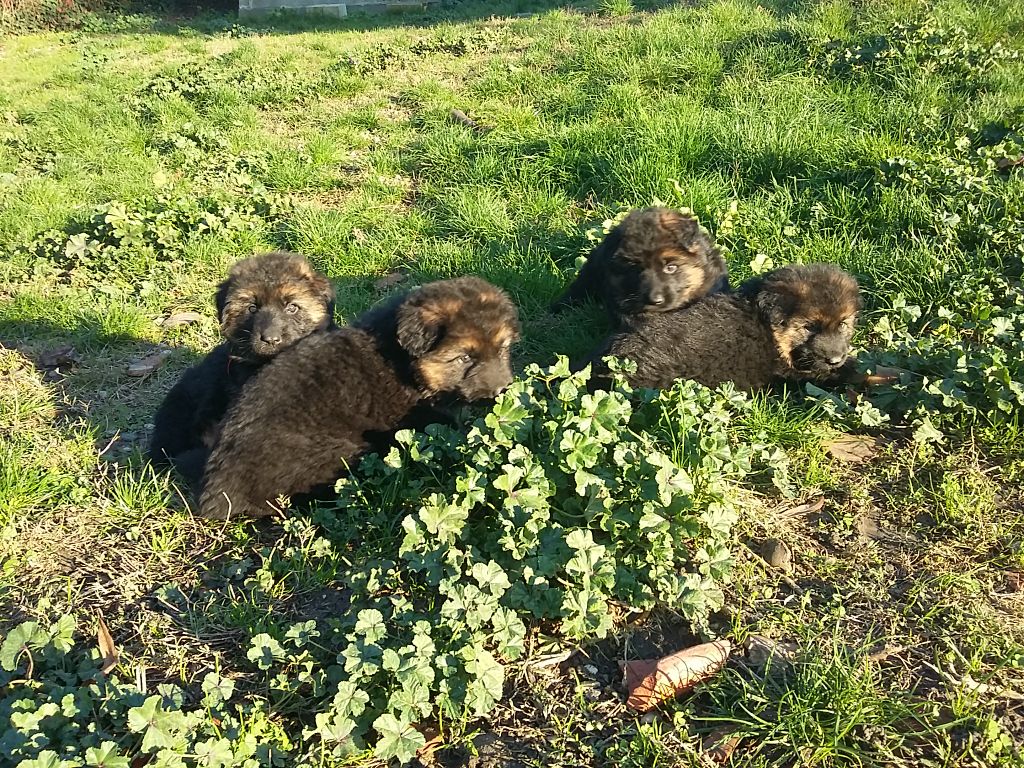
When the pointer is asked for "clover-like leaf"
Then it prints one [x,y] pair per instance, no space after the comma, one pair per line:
[488,682]
[370,624]
[105,755]
[265,651]
[214,753]
[398,739]
[491,577]
[159,727]
[217,689]
[302,633]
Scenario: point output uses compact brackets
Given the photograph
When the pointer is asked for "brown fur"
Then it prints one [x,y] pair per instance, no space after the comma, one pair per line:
[320,405]
[792,324]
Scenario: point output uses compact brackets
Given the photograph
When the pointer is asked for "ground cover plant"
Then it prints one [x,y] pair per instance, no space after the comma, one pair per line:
[466,597]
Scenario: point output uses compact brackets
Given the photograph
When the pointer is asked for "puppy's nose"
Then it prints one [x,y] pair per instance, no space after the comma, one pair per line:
[657,299]
[836,360]
[270,338]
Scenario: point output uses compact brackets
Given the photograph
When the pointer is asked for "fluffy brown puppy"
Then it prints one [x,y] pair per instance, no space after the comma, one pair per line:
[655,260]
[794,324]
[266,304]
[335,395]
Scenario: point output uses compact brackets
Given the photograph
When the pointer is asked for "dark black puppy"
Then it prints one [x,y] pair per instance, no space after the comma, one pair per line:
[267,303]
[793,324]
[321,404]
[655,260]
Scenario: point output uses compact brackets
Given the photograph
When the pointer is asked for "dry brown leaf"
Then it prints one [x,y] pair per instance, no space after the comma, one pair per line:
[390,280]
[432,734]
[181,318]
[108,651]
[650,682]
[148,364]
[777,554]
[61,357]
[463,119]
[763,651]
[721,743]
[853,449]
[883,375]
[804,509]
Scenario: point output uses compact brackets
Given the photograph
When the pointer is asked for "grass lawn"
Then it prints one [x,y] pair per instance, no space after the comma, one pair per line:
[139,157]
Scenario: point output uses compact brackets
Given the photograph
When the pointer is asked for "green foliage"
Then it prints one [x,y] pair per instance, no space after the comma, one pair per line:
[966,369]
[929,45]
[60,710]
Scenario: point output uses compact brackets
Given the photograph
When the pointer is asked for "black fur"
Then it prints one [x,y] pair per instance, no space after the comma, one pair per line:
[188,420]
[655,260]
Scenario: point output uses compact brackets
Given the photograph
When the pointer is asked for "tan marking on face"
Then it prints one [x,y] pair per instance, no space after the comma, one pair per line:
[787,338]
[434,372]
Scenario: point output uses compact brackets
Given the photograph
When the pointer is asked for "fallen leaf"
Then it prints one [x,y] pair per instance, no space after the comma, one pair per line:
[390,280]
[854,449]
[108,651]
[721,743]
[463,119]
[804,509]
[181,318]
[148,364]
[61,357]
[777,554]
[884,375]
[358,235]
[984,689]
[432,734]
[763,651]
[867,528]
[650,682]
[884,653]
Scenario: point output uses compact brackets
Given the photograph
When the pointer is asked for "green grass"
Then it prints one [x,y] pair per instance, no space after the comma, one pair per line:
[139,157]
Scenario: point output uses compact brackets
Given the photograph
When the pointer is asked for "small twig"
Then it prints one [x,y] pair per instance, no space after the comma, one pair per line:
[113,440]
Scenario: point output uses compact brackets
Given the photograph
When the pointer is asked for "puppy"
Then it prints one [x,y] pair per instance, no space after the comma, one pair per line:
[793,324]
[655,260]
[320,405]
[266,304]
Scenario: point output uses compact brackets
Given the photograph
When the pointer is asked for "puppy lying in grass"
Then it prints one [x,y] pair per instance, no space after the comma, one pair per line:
[266,304]
[330,398]
[792,324]
[655,260]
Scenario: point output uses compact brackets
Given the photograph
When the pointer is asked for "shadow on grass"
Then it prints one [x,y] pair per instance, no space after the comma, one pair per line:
[220,17]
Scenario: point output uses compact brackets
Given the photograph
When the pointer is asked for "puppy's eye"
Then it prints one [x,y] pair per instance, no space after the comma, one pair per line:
[463,360]
[670,268]
[291,309]
[253,309]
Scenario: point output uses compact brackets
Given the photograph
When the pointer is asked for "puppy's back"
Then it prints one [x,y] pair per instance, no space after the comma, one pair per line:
[718,339]
[301,417]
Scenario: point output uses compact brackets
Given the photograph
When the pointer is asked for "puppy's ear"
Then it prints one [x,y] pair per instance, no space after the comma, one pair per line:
[776,301]
[324,290]
[220,298]
[419,325]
